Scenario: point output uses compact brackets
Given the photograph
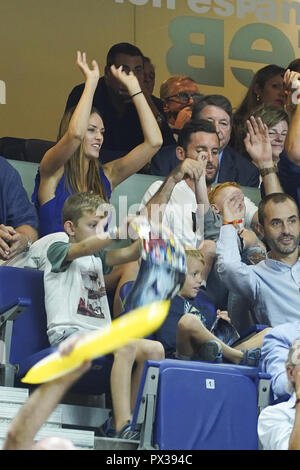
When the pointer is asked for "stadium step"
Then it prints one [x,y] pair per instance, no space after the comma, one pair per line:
[66,421]
[11,399]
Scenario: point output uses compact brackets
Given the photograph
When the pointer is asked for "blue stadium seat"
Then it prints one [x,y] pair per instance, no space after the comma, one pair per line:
[185,405]
[23,329]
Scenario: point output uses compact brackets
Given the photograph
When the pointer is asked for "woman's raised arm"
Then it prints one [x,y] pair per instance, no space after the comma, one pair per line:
[56,157]
[118,170]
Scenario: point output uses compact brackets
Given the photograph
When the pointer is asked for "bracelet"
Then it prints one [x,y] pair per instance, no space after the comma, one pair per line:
[233,222]
[138,93]
[267,171]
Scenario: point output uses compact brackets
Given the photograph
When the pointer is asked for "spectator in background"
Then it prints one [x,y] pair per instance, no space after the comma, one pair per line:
[266,87]
[277,121]
[294,66]
[149,75]
[230,166]
[275,351]
[123,130]
[279,425]
[18,218]
[178,94]
[289,163]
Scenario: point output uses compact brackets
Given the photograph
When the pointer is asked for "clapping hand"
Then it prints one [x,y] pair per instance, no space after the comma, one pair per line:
[128,79]
[91,73]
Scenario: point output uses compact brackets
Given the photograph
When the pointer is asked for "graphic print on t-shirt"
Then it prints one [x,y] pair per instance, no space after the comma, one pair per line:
[92,293]
[202,315]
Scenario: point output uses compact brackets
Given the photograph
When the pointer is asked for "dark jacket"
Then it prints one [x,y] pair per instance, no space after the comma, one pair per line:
[123,133]
[236,167]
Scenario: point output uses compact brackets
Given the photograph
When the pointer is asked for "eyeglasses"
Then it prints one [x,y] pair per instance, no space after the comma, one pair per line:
[184,97]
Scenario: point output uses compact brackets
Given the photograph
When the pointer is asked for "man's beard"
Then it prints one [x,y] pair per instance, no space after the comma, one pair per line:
[211,178]
[276,245]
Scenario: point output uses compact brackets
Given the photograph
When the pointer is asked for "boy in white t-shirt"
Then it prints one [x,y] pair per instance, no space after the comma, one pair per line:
[76,301]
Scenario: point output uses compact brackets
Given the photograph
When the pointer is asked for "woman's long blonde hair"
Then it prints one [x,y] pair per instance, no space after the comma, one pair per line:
[74,168]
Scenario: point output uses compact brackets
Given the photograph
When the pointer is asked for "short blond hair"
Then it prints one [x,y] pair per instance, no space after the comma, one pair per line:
[78,203]
[216,189]
[194,253]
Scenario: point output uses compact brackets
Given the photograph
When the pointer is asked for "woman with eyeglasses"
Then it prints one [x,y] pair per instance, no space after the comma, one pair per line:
[179,93]
[277,121]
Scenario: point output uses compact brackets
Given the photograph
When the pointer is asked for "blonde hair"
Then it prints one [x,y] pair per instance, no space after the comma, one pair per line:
[78,203]
[216,189]
[74,168]
[194,253]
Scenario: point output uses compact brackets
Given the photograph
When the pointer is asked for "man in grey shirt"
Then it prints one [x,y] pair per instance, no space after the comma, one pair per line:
[273,285]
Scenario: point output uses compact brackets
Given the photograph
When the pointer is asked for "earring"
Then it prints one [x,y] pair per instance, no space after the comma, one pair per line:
[257,98]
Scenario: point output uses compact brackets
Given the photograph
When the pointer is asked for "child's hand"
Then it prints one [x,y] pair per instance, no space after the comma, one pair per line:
[234,206]
[223,314]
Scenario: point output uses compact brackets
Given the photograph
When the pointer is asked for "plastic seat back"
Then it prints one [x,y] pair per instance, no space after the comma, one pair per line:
[30,330]
[205,406]
[29,341]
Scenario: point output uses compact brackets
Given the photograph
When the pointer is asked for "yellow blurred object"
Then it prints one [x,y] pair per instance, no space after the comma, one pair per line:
[138,323]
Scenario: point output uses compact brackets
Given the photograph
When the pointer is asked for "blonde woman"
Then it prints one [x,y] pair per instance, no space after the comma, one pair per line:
[72,165]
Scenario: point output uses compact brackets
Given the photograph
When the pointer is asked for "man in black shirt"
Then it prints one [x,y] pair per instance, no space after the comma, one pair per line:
[122,126]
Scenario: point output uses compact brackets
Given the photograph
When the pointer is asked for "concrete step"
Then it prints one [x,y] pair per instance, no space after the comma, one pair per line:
[11,400]
[72,416]
[83,440]
[106,443]
[9,410]
[13,395]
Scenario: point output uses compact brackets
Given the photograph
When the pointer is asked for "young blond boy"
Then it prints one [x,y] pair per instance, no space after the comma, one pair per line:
[76,301]
[186,332]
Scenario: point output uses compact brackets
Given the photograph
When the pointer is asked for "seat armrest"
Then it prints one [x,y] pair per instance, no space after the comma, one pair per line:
[13,309]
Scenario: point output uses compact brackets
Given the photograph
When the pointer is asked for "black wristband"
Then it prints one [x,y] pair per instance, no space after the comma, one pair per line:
[138,93]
